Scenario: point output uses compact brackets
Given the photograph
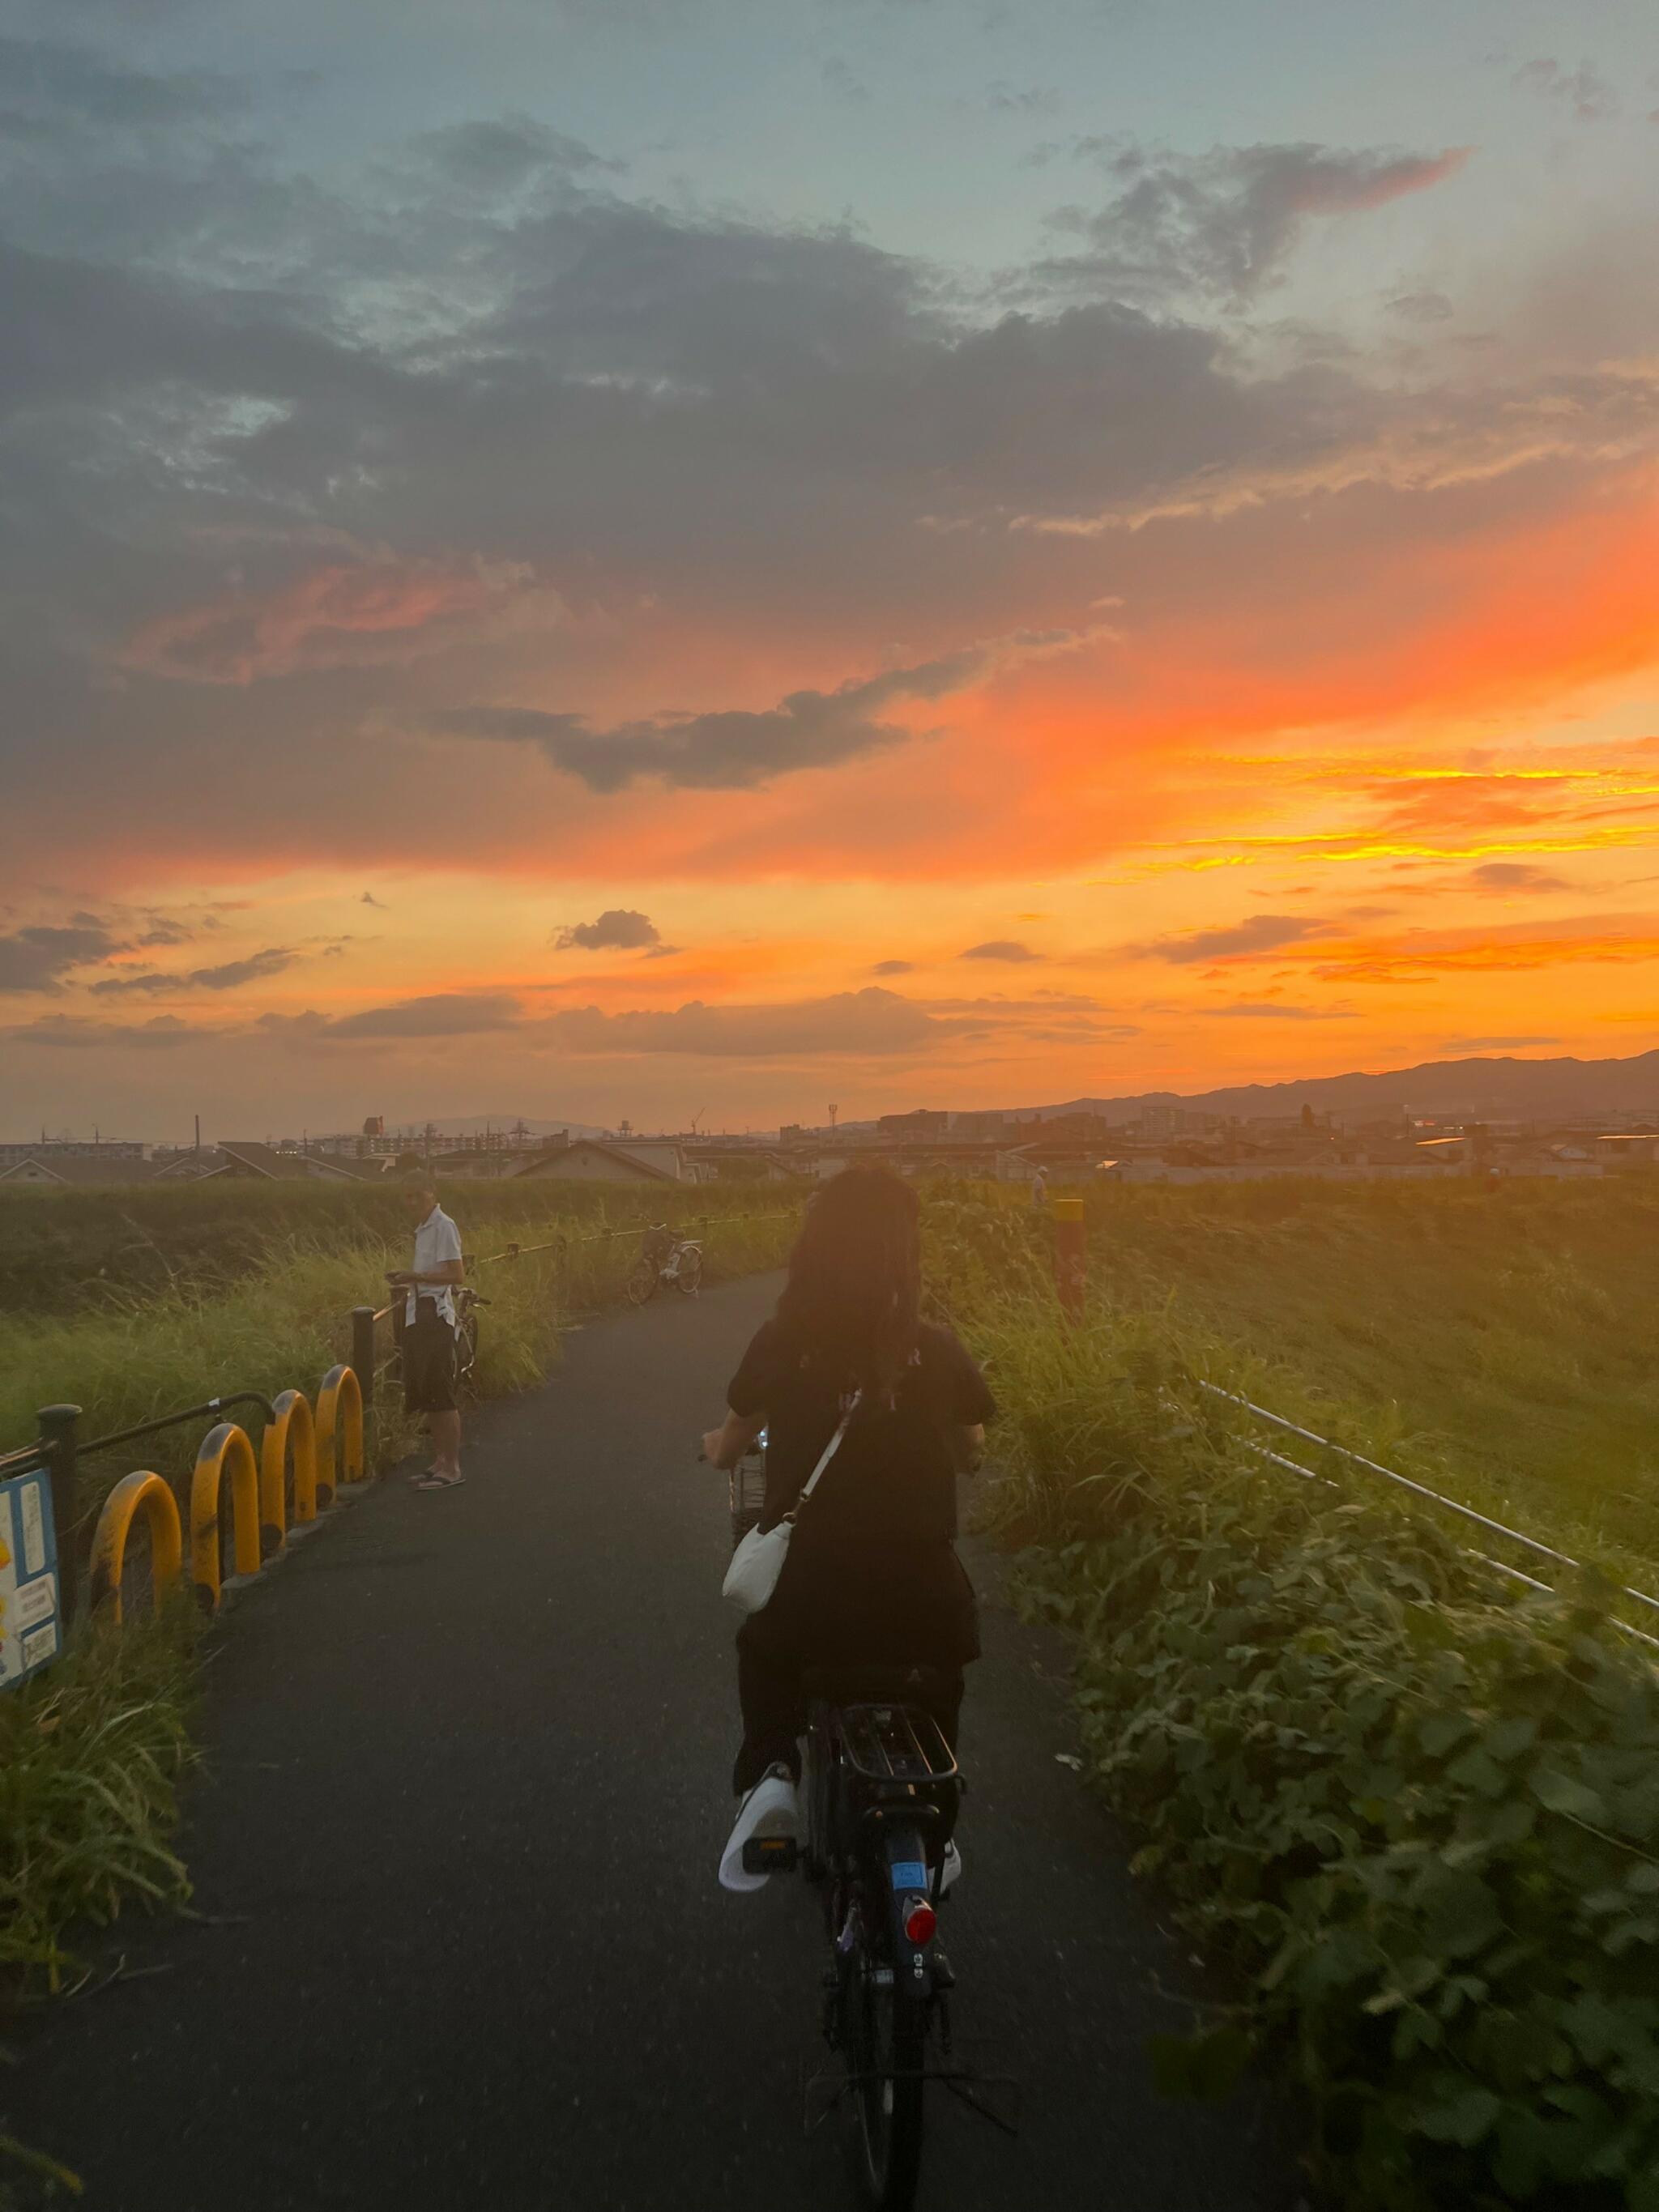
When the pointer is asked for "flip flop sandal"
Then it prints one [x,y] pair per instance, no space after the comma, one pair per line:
[440,1482]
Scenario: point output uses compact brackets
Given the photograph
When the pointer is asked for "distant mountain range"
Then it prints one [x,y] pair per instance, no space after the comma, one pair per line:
[1492,1090]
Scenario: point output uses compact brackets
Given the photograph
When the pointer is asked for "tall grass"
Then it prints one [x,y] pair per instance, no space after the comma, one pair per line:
[67,1251]
[283,1324]
[1503,1331]
[91,1752]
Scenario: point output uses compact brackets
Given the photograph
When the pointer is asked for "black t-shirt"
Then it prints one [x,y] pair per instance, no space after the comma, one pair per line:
[892,1479]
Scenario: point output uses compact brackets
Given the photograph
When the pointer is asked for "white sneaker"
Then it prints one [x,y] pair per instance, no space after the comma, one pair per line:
[952,1867]
[771,1808]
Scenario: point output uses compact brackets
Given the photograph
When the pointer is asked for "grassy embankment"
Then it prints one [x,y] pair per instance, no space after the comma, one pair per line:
[1418,1809]
[1506,1340]
[91,1751]
[131,1304]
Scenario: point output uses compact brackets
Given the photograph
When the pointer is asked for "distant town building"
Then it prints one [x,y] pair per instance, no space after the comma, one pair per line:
[586,1160]
[73,1148]
[969,1126]
[923,1122]
[77,1170]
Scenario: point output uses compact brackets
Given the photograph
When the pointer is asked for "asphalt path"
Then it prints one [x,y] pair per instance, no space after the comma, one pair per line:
[460,1940]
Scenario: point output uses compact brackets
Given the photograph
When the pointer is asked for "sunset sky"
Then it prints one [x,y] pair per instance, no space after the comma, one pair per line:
[642,556]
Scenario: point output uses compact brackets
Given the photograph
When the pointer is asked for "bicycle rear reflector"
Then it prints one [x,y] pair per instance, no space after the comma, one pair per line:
[920,1921]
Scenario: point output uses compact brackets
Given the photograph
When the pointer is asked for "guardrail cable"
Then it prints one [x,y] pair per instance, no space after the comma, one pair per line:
[1435,1497]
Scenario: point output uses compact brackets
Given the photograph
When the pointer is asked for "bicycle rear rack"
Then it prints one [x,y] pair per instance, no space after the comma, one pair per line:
[894,1743]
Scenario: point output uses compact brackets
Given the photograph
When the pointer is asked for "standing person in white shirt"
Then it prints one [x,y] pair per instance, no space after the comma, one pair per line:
[428,1348]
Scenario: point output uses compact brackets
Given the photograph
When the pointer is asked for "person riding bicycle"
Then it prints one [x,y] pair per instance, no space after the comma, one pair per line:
[871,1576]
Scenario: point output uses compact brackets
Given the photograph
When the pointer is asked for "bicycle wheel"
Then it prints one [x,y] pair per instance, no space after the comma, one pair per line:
[466,1355]
[642,1282]
[883,2036]
[688,1279]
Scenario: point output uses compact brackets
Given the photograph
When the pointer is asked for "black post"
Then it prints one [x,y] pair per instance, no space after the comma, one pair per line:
[56,1425]
[362,1355]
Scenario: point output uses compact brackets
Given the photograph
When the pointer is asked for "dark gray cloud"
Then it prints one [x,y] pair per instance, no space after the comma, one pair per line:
[870,1022]
[894,968]
[1503,877]
[1001,948]
[1424,306]
[1584,90]
[438,1014]
[74,1032]
[232,974]
[1221,224]
[1260,932]
[496,160]
[36,959]
[45,84]
[226,383]
[735,749]
[619,928]
[229,975]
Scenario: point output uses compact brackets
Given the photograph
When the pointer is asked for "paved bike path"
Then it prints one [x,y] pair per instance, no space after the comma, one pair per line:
[454,1851]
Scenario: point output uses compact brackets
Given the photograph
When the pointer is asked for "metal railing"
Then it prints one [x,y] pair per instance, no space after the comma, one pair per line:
[1531,1544]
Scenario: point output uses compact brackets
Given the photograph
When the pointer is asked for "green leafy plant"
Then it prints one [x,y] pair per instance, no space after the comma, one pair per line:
[1418,1809]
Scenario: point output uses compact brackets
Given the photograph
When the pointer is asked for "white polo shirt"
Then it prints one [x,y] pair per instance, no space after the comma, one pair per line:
[436,1240]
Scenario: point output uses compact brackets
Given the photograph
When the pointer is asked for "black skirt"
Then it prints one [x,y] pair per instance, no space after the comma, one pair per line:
[903,1604]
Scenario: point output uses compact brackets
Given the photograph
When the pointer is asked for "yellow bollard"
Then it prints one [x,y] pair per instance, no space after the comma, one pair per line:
[341,1395]
[139,1493]
[292,1430]
[227,1448]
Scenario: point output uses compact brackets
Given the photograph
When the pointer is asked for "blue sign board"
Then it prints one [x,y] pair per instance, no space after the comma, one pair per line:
[31,1630]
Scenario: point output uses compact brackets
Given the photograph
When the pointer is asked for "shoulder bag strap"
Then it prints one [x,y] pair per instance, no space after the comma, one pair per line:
[826,1456]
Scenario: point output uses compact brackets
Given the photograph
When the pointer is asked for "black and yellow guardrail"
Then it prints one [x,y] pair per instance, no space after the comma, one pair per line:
[315,1451]
[308,1452]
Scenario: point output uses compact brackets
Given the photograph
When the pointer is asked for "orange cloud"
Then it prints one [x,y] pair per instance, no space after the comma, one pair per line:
[1414,956]
[335,616]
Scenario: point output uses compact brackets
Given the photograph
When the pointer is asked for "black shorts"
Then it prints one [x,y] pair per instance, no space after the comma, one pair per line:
[429,1363]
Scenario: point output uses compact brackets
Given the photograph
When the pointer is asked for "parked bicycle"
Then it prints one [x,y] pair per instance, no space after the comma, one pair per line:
[665,1261]
[467,1302]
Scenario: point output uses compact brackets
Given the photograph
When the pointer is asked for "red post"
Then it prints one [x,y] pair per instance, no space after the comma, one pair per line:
[1070,1254]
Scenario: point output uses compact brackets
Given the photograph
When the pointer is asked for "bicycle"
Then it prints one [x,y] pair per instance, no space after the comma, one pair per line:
[665,1258]
[882,1791]
[467,1302]
[747,1490]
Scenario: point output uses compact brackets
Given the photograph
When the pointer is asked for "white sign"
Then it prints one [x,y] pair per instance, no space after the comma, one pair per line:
[29,1624]
[34,1541]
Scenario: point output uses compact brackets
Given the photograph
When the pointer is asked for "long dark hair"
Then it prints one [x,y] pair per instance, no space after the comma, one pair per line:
[853,1297]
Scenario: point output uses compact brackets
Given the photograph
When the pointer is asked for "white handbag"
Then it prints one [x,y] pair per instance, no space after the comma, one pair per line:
[758,1560]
